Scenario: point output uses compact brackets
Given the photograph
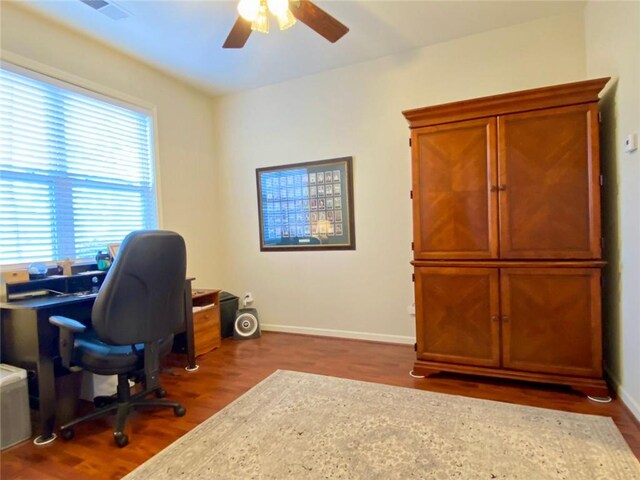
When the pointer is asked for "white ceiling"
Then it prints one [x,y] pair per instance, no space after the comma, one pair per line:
[185,37]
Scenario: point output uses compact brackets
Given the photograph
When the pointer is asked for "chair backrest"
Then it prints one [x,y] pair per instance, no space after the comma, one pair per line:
[142,297]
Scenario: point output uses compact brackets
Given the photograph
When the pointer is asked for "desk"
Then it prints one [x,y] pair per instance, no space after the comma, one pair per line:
[29,341]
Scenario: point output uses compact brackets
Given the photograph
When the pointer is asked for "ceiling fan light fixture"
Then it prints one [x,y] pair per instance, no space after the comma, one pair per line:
[278,7]
[254,16]
[286,21]
[261,22]
[249,9]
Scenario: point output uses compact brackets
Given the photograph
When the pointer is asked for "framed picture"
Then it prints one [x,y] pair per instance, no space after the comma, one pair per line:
[113,249]
[319,217]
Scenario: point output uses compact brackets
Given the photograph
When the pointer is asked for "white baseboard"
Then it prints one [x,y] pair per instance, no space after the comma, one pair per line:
[325,332]
[631,403]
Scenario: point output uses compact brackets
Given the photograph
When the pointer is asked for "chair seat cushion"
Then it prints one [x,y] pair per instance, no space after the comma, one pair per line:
[94,355]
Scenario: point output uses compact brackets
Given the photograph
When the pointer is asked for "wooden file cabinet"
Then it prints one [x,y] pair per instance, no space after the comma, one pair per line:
[206,320]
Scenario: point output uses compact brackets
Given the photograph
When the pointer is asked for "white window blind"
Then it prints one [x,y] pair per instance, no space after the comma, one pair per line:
[76,172]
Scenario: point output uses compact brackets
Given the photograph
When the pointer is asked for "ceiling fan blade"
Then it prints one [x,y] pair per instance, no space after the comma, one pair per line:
[239,34]
[318,20]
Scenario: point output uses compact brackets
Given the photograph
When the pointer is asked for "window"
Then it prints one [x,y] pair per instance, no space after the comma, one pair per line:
[76,170]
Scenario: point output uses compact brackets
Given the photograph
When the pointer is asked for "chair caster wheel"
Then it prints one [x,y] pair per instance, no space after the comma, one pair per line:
[67,433]
[179,411]
[121,439]
[161,393]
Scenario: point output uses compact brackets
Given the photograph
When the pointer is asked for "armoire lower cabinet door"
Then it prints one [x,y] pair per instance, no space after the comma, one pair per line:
[457,315]
[551,320]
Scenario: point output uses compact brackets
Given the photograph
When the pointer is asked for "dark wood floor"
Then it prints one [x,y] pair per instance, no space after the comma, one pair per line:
[233,369]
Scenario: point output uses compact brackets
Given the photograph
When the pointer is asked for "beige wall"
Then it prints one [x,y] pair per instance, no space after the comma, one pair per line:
[613,49]
[184,123]
[356,111]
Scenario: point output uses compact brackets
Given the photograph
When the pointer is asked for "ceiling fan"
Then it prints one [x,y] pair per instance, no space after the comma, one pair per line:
[253,17]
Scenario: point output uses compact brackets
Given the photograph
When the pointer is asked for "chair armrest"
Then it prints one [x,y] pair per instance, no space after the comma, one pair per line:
[66,340]
[67,324]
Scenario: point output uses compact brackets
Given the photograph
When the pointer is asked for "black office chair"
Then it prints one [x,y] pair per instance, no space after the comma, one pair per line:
[138,308]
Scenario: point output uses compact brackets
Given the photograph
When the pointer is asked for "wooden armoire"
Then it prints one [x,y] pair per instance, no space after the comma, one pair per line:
[507,238]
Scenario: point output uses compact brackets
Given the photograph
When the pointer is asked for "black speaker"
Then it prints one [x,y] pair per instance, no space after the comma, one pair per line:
[246,324]
[228,309]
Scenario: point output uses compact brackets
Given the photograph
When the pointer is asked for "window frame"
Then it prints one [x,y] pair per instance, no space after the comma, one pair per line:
[58,78]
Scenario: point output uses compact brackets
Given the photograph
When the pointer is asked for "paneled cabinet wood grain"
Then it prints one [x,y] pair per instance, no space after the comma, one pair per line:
[458,308]
[549,190]
[507,236]
[542,320]
[550,320]
[455,214]
[206,320]
[511,186]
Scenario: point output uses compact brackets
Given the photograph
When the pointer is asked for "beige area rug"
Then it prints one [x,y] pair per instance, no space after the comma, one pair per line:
[301,426]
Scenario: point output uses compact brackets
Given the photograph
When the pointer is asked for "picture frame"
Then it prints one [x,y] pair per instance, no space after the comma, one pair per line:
[293,201]
[113,249]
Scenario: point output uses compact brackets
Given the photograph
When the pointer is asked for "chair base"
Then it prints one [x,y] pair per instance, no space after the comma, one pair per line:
[124,405]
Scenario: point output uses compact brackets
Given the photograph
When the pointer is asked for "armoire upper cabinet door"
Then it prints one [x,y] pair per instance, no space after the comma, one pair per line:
[454,209]
[549,194]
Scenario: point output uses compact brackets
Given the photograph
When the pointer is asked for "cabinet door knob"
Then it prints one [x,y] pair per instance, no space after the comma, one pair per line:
[502,187]
[494,318]
[505,318]
[494,188]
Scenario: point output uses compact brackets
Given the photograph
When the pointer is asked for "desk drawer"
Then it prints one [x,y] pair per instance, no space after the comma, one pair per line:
[206,328]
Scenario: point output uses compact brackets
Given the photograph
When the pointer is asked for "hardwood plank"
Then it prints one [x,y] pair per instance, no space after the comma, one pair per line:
[231,370]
